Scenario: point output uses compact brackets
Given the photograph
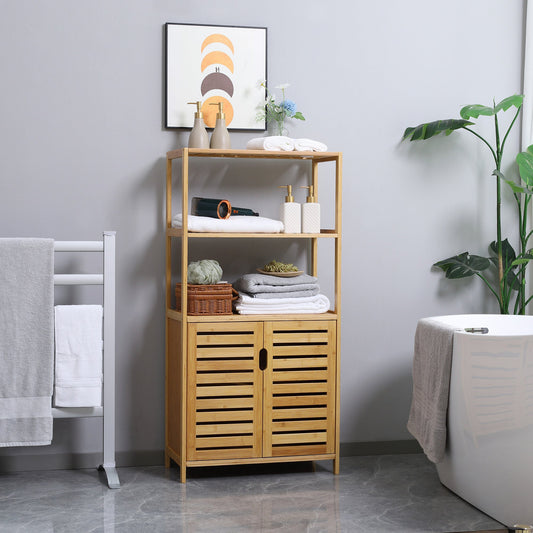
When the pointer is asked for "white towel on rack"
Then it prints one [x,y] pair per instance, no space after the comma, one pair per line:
[273,142]
[308,145]
[247,305]
[78,366]
[233,224]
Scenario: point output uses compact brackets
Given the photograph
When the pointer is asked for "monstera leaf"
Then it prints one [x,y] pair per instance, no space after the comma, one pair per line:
[463,265]
[475,110]
[510,262]
[430,129]
[525,165]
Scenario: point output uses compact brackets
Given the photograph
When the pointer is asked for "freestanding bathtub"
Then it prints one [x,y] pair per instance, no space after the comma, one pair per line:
[489,451]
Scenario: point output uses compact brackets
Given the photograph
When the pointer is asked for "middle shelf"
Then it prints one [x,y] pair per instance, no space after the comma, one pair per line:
[178,232]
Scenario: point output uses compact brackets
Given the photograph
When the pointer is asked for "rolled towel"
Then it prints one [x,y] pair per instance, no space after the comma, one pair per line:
[246,305]
[308,145]
[274,142]
[238,224]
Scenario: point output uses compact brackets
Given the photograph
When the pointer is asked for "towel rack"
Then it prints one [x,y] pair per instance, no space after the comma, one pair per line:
[107,279]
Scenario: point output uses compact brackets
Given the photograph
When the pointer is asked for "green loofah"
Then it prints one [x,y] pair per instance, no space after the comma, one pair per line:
[204,272]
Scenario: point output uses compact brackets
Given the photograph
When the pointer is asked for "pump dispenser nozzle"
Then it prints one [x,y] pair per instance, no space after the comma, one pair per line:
[289,197]
[311,198]
[198,105]
[220,105]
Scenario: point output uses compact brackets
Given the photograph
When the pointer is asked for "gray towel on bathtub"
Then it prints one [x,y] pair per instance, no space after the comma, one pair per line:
[431,383]
[26,341]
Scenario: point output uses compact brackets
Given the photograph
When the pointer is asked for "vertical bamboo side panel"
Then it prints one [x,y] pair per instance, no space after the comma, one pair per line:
[338,262]
[184,337]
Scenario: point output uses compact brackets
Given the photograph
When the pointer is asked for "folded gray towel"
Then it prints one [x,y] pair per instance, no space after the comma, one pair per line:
[263,283]
[26,341]
[431,384]
[290,294]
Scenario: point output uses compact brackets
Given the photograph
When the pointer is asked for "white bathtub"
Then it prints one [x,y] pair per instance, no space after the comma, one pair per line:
[489,452]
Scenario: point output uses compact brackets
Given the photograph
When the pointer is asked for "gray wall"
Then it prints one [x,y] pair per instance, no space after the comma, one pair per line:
[83,149]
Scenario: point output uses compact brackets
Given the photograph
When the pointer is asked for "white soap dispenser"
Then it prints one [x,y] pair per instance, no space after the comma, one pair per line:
[310,213]
[198,137]
[220,137]
[291,215]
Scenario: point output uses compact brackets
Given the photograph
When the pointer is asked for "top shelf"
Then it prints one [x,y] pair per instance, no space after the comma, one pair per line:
[253,154]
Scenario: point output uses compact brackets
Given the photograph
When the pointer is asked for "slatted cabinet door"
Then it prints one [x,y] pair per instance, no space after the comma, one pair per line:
[224,403]
[299,396]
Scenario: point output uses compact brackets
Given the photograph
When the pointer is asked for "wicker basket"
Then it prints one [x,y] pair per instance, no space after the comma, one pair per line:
[207,299]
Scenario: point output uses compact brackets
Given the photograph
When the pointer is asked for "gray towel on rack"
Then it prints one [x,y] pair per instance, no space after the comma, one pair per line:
[26,341]
[255,284]
[284,294]
[432,364]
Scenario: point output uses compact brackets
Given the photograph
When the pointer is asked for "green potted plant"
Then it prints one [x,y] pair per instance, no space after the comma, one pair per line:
[509,287]
[277,112]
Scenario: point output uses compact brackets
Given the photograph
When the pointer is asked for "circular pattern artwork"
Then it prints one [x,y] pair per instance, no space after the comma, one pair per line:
[215,64]
[217,68]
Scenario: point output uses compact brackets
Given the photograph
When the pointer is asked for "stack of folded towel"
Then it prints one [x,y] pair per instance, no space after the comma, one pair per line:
[282,143]
[266,294]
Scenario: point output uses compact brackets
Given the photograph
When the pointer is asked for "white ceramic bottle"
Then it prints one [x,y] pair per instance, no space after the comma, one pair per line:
[291,214]
[310,213]
[220,136]
[198,137]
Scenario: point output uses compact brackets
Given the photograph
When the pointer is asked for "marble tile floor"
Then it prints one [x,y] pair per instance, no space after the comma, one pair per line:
[396,493]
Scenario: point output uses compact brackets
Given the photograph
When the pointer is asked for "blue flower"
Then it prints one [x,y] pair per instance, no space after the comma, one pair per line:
[289,106]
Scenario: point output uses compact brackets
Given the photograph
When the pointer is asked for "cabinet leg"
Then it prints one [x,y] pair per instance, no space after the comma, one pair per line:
[336,465]
[167,460]
[183,473]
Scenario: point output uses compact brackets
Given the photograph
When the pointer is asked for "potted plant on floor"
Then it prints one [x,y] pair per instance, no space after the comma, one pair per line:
[510,286]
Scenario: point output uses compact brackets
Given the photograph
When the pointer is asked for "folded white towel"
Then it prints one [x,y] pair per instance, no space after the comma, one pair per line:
[78,366]
[246,305]
[308,145]
[273,142]
[233,224]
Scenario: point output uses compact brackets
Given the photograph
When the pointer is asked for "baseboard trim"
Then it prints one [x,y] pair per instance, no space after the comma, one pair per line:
[389,447]
[74,461]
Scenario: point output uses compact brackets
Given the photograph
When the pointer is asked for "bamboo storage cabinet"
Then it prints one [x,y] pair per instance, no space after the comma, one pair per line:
[244,389]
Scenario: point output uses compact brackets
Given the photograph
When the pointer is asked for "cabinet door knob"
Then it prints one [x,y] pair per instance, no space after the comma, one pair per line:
[263,358]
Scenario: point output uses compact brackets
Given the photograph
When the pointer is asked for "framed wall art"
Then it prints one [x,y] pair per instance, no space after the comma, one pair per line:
[213,64]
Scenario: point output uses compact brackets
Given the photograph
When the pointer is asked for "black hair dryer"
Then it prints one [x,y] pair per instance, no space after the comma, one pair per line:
[215,208]
[210,207]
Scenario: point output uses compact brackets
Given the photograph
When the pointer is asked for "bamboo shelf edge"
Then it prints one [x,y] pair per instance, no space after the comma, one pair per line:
[257,154]
[178,232]
[261,460]
[178,316]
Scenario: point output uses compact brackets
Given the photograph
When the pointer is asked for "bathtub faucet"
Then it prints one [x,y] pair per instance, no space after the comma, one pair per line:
[477,330]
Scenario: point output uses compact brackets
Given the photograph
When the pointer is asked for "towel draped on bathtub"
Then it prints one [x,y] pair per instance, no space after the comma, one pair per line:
[26,341]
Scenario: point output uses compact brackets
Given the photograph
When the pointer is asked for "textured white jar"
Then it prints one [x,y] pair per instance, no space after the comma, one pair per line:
[291,217]
[311,217]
